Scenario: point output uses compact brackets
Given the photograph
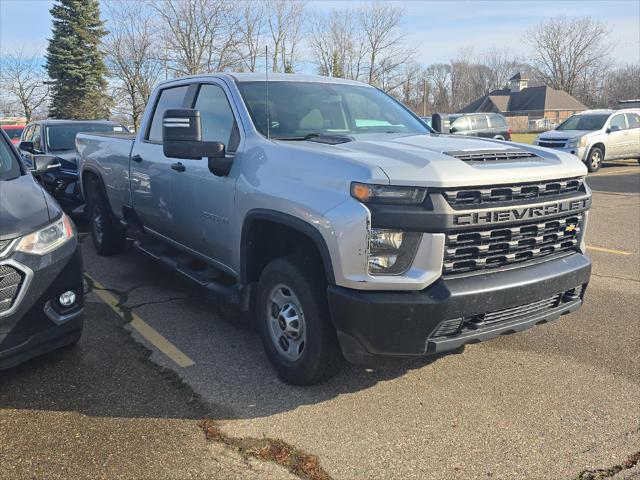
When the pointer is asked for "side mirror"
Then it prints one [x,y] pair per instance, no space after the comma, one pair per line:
[26,147]
[613,128]
[44,163]
[182,138]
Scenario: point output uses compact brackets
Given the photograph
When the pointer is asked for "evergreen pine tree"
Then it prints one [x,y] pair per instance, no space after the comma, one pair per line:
[75,63]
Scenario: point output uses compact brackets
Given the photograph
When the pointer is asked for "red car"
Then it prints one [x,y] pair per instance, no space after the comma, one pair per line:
[14,132]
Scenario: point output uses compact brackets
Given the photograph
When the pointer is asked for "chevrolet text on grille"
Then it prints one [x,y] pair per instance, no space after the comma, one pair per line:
[515,214]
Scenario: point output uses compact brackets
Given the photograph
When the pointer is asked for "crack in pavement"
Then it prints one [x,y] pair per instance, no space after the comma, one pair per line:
[615,277]
[602,473]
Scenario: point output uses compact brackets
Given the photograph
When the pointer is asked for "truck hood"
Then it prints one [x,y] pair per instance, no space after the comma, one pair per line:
[563,134]
[24,207]
[420,160]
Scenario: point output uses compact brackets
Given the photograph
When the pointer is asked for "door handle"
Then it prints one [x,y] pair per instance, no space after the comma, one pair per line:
[178,167]
[137,158]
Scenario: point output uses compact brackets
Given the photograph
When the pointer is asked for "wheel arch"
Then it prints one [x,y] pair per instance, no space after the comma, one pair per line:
[255,220]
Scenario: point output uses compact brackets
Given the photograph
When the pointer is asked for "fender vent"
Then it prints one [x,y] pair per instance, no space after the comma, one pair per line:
[496,155]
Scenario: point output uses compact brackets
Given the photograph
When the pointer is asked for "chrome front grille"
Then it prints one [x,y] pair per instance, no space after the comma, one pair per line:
[10,281]
[491,155]
[463,197]
[499,246]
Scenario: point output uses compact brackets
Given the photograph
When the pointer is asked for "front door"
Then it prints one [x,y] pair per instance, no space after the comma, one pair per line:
[151,173]
[616,138]
[203,201]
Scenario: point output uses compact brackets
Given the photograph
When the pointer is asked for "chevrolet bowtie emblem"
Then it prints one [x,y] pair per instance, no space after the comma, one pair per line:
[570,228]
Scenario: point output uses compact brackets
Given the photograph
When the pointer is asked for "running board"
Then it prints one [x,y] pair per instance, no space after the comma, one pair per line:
[207,277]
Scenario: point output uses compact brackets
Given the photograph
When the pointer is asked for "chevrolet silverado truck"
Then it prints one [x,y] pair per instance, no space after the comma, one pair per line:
[335,216]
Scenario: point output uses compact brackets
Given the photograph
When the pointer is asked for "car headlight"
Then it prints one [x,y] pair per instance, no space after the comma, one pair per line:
[48,238]
[391,252]
[389,194]
[577,142]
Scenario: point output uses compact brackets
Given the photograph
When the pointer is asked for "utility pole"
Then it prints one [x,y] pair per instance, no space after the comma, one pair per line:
[424,98]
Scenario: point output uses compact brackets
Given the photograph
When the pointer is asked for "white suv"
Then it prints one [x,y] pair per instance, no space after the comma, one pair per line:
[597,135]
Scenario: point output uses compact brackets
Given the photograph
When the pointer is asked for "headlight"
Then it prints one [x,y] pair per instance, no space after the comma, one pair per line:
[49,238]
[391,252]
[577,142]
[388,194]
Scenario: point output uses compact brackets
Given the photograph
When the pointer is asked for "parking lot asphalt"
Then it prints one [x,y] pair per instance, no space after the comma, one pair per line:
[548,403]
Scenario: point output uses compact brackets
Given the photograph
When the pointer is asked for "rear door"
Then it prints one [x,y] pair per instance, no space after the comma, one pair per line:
[203,201]
[633,125]
[151,172]
[480,126]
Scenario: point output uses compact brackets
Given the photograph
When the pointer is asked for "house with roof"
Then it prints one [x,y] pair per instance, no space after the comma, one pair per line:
[530,103]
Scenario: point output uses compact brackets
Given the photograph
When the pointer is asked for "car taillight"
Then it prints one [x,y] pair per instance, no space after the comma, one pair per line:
[508,134]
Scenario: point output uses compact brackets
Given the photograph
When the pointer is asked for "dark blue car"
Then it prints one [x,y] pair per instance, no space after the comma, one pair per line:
[56,138]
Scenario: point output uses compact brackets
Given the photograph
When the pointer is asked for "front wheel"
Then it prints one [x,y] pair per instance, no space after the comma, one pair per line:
[594,159]
[293,320]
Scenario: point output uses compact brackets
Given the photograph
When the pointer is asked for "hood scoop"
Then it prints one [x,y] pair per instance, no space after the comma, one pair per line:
[491,155]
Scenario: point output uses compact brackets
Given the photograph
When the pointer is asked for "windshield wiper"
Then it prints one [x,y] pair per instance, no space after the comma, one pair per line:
[331,139]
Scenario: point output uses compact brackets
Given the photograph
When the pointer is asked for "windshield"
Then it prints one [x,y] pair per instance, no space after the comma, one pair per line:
[13,132]
[9,167]
[63,137]
[584,122]
[298,109]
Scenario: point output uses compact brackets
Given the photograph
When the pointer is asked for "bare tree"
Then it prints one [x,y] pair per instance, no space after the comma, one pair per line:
[132,56]
[568,53]
[381,24]
[24,79]
[252,33]
[198,35]
[338,45]
[285,21]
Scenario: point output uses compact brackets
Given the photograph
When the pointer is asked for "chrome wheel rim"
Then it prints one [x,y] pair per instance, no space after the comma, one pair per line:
[287,327]
[98,224]
[595,159]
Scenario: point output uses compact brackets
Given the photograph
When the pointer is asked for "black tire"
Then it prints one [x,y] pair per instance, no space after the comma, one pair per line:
[594,159]
[109,237]
[320,357]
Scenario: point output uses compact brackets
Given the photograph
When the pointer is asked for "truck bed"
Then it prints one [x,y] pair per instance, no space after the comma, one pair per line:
[108,155]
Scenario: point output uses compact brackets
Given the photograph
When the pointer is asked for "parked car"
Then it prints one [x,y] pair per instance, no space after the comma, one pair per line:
[41,290]
[541,125]
[13,132]
[345,226]
[487,125]
[597,135]
[56,138]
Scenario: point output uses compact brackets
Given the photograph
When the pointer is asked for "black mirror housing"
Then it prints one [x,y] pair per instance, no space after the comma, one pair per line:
[182,136]
[26,147]
[44,163]
[613,128]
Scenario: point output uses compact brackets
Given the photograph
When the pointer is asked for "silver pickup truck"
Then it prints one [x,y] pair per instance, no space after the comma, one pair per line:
[339,220]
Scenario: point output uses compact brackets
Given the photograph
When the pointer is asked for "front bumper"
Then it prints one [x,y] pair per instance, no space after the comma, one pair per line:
[400,324]
[580,152]
[37,323]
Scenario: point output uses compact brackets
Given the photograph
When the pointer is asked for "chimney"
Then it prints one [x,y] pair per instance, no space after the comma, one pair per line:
[518,82]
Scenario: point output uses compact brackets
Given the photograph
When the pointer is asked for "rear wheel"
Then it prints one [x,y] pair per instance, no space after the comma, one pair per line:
[108,236]
[594,159]
[293,320]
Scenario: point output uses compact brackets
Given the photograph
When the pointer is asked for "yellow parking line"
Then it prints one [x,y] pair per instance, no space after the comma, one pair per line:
[609,250]
[144,329]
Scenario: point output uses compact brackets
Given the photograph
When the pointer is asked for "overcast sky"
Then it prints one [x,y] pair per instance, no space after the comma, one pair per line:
[439,29]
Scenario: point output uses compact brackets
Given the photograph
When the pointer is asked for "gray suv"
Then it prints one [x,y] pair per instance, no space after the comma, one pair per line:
[597,135]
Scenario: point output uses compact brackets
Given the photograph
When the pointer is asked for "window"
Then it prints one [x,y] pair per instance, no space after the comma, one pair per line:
[633,119]
[460,124]
[498,121]
[35,138]
[587,121]
[618,121]
[9,167]
[297,109]
[28,132]
[169,98]
[63,137]
[478,122]
[216,117]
